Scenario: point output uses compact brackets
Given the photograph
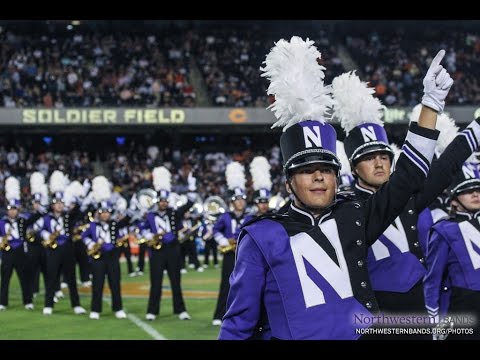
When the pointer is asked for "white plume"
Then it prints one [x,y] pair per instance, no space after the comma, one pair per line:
[12,188]
[235,174]
[296,80]
[396,152]
[58,182]
[445,124]
[152,152]
[44,194]
[260,170]
[448,131]
[415,114]
[101,188]
[162,178]
[37,179]
[354,102]
[74,190]
[342,156]
[121,205]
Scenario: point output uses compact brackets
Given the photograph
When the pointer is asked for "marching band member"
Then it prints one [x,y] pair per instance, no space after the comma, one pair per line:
[187,236]
[396,262]
[13,246]
[101,239]
[262,184]
[36,251]
[161,228]
[213,207]
[75,193]
[226,230]
[121,209]
[453,254]
[56,229]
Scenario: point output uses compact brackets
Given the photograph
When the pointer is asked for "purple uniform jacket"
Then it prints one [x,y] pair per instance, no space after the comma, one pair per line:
[453,253]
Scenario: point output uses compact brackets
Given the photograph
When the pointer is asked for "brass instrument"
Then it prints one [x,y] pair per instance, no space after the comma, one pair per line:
[30,236]
[232,246]
[185,233]
[95,252]
[77,232]
[123,241]
[156,241]
[138,241]
[4,245]
[213,206]
[51,242]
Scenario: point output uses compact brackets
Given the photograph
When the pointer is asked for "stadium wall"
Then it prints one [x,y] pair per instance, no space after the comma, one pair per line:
[180,116]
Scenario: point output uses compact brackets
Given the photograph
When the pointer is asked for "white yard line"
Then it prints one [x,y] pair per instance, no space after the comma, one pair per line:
[142,325]
[145,327]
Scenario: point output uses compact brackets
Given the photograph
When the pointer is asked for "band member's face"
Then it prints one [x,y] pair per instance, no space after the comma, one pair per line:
[469,199]
[58,206]
[262,207]
[374,168]
[12,213]
[239,204]
[105,216]
[315,185]
[163,205]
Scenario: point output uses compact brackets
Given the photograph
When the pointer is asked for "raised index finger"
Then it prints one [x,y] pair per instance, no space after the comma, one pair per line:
[438,58]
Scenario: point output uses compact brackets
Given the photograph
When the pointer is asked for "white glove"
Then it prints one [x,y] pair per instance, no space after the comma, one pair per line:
[436,84]
[192,182]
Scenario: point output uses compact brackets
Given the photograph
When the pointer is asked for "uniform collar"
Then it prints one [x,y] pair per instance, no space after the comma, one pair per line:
[301,215]
[360,190]
[462,215]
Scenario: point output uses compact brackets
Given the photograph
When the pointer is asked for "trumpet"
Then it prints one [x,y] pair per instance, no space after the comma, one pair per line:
[77,232]
[4,245]
[30,236]
[156,241]
[186,233]
[139,241]
[230,247]
[51,242]
[123,241]
[95,252]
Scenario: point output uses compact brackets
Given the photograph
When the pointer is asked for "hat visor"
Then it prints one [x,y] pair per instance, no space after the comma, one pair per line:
[238,197]
[103,210]
[357,155]
[323,158]
[465,186]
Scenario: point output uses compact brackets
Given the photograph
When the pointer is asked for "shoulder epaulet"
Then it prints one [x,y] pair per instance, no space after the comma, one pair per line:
[270,216]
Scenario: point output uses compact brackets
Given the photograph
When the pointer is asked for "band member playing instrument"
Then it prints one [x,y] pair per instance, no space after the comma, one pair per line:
[160,230]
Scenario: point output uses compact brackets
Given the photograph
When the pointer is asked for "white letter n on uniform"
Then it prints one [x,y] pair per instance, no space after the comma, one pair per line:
[304,247]
[472,240]
[312,137]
